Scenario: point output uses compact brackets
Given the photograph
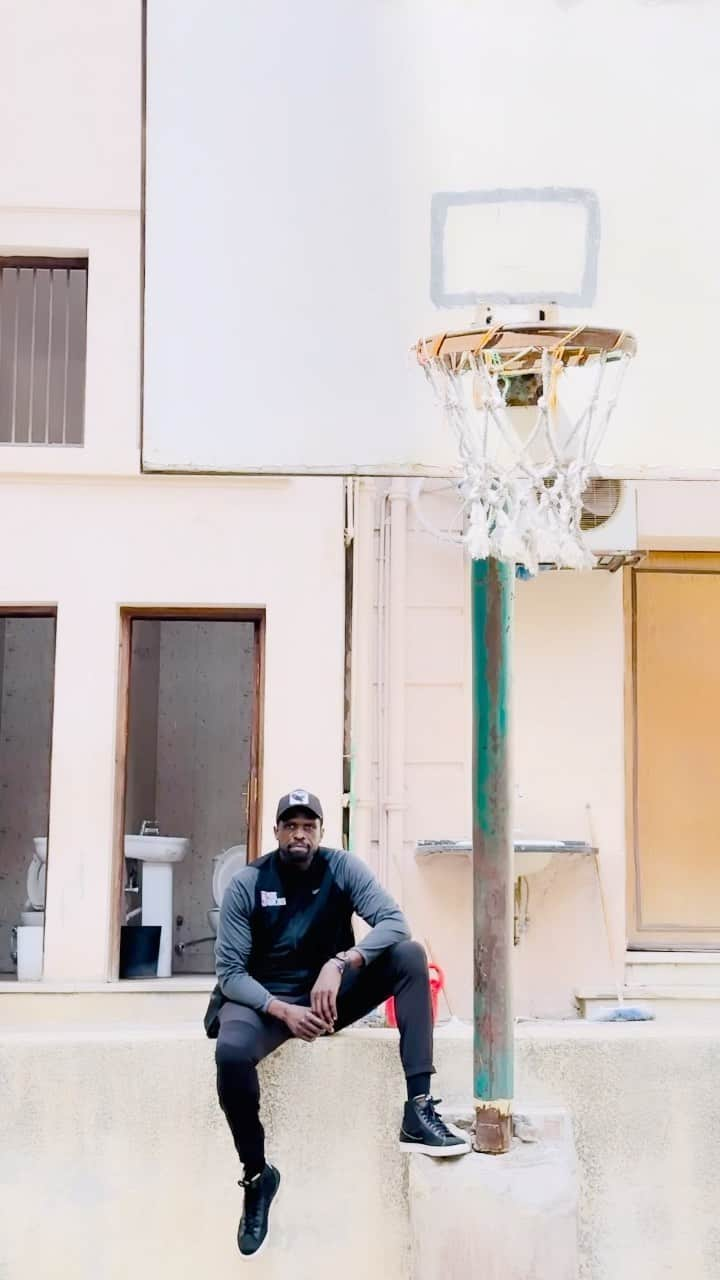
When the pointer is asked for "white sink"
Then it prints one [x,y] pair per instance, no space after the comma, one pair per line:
[529,854]
[157,848]
[158,854]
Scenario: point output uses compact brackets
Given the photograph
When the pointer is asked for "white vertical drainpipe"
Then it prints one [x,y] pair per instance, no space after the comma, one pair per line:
[381,656]
[394,689]
[361,782]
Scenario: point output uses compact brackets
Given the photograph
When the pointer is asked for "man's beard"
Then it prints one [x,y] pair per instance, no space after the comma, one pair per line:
[298,853]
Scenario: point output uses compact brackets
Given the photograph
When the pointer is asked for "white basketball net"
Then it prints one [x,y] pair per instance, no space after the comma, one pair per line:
[523,489]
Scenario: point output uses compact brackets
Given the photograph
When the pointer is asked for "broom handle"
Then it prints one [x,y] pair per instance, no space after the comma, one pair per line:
[606,919]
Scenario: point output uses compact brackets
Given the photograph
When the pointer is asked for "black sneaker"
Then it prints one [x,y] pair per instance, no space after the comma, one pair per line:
[259,1194]
[425,1131]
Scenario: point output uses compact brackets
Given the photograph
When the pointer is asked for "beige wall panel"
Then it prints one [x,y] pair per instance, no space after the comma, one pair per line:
[434,722]
[436,573]
[436,646]
[568,781]
[439,903]
[677,514]
[438,801]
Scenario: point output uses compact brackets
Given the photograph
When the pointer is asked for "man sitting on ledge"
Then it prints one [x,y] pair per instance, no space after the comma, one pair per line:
[288,965]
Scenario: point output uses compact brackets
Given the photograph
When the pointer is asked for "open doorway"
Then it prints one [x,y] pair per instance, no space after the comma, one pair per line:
[192,765]
[27,672]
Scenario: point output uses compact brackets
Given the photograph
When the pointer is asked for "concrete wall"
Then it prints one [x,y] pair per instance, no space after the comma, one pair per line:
[173,542]
[120,1177]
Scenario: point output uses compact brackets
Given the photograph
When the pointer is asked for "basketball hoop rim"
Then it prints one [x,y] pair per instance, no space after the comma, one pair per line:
[521,347]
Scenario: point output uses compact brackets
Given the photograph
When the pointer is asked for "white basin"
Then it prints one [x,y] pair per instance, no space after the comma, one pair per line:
[157,848]
[158,854]
[529,854]
[40,843]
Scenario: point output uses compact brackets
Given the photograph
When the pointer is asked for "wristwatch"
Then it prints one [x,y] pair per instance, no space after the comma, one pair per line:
[341,960]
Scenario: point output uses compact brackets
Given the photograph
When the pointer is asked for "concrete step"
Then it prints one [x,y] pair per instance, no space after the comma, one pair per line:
[699,1005]
[161,1001]
[672,969]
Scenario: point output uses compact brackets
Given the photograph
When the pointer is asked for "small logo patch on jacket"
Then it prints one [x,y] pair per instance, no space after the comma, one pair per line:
[269,898]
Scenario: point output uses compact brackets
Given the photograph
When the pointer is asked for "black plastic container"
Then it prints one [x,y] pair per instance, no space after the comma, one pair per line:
[139,950]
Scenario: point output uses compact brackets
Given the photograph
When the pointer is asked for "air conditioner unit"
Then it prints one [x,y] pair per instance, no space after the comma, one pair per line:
[609,521]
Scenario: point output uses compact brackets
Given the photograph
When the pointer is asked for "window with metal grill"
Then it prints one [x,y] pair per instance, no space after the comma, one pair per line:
[43,307]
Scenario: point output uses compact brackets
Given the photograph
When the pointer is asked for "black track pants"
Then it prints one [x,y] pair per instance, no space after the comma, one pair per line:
[246,1037]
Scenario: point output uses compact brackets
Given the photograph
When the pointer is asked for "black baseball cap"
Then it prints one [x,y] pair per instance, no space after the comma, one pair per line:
[299,799]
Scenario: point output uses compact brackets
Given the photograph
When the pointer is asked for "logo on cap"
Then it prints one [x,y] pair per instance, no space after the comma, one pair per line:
[299,799]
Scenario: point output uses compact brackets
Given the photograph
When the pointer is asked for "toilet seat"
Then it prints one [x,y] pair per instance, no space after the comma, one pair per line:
[36,884]
[225,866]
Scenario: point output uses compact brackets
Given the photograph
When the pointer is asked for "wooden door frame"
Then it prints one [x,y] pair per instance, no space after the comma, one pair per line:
[186,613]
[695,562]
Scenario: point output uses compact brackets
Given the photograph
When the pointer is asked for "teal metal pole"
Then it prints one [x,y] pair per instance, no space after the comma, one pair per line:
[492,586]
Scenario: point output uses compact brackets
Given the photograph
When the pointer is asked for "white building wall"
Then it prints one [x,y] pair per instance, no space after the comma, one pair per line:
[70,185]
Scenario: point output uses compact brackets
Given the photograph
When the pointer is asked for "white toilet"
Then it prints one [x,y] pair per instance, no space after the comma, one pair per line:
[34,911]
[29,933]
[225,866]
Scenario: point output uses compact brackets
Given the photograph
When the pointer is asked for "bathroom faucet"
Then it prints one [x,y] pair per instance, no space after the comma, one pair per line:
[149,827]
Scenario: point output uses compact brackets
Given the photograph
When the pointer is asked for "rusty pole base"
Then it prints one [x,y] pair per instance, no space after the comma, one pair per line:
[493,1130]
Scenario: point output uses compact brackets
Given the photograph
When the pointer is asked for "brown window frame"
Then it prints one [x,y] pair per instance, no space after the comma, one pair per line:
[129,614]
[55,262]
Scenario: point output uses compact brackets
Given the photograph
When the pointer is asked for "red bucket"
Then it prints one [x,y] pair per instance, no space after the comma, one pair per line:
[437,983]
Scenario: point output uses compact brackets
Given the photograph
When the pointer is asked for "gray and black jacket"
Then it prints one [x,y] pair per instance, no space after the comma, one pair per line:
[278,927]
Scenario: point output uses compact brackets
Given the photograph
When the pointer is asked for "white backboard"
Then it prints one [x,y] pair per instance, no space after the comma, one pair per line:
[328,180]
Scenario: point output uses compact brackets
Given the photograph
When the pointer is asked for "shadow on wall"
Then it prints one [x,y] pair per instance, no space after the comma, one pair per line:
[191,716]
[27,659]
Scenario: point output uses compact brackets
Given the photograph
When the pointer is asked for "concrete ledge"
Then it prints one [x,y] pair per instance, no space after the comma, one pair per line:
[153,1001]
[513,1216]
[188,982]
[115,1152]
